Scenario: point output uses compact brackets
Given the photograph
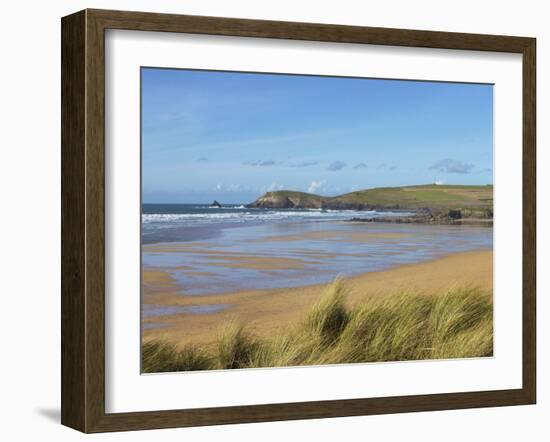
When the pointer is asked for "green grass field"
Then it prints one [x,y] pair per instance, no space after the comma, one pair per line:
[404,326]
[439,196]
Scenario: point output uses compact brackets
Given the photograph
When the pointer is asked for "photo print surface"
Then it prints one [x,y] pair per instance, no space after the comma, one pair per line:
[294,220]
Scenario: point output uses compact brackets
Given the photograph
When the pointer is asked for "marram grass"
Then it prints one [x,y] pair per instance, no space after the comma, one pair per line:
[401,327]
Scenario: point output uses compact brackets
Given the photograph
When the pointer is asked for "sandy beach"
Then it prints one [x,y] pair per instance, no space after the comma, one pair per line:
[183,319]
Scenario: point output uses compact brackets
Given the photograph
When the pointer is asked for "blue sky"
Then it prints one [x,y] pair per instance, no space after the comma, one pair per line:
[233,136]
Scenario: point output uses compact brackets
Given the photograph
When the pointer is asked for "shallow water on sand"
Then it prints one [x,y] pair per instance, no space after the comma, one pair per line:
[298,253]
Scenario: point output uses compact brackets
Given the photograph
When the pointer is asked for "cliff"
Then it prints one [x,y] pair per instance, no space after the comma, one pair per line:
[285,199]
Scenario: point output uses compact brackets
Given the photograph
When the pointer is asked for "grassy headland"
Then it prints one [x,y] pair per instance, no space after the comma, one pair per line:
[456,323]
[439,202]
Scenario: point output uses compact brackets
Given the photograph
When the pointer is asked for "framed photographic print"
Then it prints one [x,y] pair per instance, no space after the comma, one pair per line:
[269,220]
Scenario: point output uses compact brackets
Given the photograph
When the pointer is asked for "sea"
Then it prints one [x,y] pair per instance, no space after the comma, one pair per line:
[193,222]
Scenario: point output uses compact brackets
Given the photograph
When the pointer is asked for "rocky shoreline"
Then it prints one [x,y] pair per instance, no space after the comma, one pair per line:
[423,218]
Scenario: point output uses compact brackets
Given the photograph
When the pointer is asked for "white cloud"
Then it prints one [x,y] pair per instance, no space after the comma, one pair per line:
[221,187]
[275,186]
[452,166]
[316,186]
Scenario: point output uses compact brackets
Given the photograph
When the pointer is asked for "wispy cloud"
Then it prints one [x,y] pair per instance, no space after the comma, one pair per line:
[271,162]
[315,186]
[360,166]
[336,165]
[256,143]
[261,163]
[304,164]
[452,166]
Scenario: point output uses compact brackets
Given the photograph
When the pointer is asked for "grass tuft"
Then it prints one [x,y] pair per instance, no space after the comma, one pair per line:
[235,348]
[159,357]
[328,317]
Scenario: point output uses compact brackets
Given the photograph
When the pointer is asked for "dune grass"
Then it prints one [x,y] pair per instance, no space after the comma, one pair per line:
[404,326]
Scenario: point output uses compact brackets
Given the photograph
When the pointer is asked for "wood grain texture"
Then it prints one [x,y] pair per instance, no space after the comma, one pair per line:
[73,129]
[145,21]
[95,222]
[529,221]
[83,220]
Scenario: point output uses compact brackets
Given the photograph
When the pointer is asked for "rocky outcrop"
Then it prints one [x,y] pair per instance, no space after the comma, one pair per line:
[215,204]
[427,216]
[298,200]
[335,204]
[287,200]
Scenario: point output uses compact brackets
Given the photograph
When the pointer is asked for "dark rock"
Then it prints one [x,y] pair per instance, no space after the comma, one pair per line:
[455,214]
[425,219]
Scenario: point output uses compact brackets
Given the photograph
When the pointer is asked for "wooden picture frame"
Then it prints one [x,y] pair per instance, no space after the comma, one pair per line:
[83,220]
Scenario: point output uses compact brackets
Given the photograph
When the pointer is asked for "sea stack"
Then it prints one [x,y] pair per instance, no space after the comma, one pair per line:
[215,204]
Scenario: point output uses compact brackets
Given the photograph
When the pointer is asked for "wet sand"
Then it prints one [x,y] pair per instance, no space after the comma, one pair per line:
[292,254]
[198,319]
